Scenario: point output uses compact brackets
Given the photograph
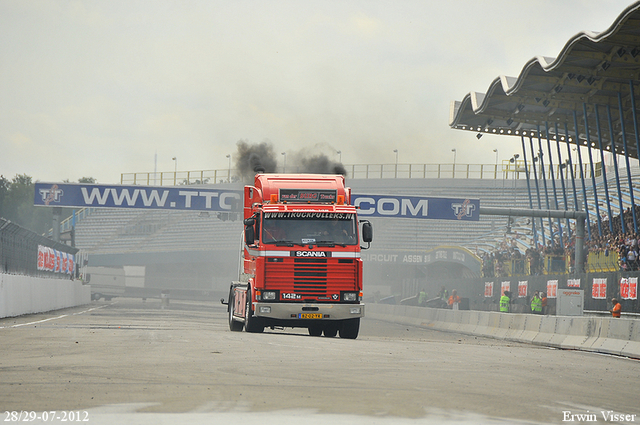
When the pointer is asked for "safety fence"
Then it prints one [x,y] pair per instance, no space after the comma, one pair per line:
[605,261]
[506,170]
[28,253]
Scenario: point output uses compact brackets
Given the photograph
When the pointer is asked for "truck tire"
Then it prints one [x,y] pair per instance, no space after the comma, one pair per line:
[251,324]
[330,330]
[315,330]
[350,328]
[234,325]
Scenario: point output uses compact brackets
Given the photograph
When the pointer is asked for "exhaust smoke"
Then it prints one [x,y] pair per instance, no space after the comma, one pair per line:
[261,158]
[255,158]
[320,164]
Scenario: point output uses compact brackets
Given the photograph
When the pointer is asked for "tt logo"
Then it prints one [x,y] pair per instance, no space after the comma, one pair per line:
[51,195]
[464,209]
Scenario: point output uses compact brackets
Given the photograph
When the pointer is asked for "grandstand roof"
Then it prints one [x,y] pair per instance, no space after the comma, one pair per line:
[589,74]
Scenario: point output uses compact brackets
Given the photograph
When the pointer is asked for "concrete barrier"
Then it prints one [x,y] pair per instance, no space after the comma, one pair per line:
[599,334]
[26,294]
[634,340]
[575,331]
[531,328]
[614,336]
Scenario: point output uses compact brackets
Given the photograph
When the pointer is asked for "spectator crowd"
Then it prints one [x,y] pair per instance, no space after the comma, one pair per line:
[624,244]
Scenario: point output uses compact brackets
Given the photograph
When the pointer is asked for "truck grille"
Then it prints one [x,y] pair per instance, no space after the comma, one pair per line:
[311,278]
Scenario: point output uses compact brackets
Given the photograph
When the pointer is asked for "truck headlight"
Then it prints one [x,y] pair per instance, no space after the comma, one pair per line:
[265,309]
[350,296]
[268,295]
[355,310]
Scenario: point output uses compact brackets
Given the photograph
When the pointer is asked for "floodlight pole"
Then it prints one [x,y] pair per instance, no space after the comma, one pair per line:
[578,216]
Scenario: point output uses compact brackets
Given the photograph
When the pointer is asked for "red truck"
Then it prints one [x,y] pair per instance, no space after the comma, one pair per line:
[300,257]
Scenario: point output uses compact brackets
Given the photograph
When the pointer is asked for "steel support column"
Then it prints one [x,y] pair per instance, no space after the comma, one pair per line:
[576,206]
[535,179]
[526,170]
[584,186]
[553,184]
[561,166]
[604,169]
[626,160]
[615,167]
[593,174]
[544,181]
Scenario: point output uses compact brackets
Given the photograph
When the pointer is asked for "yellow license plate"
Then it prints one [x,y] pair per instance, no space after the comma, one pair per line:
[310,316]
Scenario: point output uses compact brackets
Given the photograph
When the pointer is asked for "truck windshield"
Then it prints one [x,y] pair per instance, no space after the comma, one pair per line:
[303,228]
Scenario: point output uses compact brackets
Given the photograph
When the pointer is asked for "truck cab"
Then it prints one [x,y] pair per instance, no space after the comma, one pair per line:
[300,260]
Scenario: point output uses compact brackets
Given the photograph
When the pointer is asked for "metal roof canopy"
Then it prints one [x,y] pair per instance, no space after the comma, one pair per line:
[593,70]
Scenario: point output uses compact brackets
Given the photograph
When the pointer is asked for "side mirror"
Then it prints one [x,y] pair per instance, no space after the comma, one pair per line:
[367,232]
[249,221]
[249,234]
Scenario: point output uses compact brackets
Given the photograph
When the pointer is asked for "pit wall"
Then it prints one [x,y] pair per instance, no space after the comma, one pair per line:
[26,294]
[596,334]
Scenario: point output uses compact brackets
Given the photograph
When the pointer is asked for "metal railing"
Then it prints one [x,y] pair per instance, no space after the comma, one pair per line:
[506,170]
[597,262]
[19,251]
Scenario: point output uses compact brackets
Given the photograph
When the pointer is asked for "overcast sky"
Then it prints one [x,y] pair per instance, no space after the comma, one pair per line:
[97,88]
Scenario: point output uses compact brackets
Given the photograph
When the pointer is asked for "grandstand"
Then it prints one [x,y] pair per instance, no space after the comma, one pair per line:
[108,231]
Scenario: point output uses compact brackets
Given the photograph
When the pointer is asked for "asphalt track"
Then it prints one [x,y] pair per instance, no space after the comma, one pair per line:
[127,361]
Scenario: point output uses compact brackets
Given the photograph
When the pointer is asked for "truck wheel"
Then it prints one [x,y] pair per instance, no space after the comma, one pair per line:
[251,324]
[233,324]
[330,331]
[315,330]
[350,328]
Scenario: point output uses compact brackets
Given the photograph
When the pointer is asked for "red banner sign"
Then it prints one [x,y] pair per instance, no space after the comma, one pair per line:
[573,283]
[599,288]
[488,289]
[522,288]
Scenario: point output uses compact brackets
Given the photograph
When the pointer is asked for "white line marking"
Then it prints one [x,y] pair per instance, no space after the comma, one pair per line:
[54,318]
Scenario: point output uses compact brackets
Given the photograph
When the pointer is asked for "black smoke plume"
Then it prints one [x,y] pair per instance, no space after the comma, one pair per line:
[320,164]
[261,158]
[256,158]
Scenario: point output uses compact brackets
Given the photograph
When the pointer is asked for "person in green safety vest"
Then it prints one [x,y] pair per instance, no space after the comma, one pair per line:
[536,303]
[443,294]
[422,297]
[504,302]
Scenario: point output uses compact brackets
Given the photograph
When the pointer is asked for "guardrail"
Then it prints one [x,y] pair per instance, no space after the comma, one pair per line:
[506,170]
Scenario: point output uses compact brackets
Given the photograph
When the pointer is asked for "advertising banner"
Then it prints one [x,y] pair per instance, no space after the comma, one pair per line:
[200,199]
[417,207]
[505,286]
[140,197]
[522,288]
[488,289]
[552,288]
[599,288]
[629,288]
[573,283]
[52,260]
